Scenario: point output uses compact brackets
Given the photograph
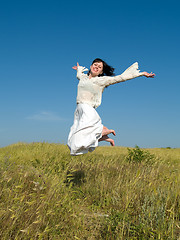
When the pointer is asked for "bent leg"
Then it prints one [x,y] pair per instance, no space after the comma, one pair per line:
[107,139]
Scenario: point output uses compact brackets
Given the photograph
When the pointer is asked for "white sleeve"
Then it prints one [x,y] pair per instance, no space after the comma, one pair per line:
[129,73]
[80,71]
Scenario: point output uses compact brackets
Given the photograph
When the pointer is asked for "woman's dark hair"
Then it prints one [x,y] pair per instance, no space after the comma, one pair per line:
[107,70]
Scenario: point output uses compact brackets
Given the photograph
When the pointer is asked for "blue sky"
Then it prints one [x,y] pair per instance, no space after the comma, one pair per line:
[42,40]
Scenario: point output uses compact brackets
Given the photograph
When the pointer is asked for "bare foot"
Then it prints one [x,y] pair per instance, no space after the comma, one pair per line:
[111,141]
[113,132]
[107,131]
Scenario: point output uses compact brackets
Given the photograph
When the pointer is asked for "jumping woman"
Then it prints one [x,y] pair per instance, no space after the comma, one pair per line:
[87,129]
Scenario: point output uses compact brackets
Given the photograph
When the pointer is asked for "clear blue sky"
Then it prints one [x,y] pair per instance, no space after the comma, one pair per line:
[40,41]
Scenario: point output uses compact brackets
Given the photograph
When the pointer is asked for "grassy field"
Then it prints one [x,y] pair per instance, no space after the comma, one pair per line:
[112,193]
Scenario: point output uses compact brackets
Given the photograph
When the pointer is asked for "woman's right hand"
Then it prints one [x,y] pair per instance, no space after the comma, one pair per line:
[75,67]
[151,75]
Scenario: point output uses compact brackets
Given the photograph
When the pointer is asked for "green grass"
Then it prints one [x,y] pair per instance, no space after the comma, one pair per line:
[112,193]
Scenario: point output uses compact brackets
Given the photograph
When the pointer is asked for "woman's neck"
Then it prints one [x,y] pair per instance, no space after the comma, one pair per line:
[91,75]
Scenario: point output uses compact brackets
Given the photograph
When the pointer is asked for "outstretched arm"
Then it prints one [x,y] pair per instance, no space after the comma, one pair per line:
[80,70]
[128,74]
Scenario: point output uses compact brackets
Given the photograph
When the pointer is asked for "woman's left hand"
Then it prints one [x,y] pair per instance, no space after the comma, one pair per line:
[75,67]
[151,75]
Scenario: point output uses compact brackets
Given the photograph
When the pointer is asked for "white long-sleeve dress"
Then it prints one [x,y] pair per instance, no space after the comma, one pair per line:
[87,127]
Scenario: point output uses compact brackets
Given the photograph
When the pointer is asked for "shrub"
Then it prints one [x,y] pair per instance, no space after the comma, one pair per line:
[137,155]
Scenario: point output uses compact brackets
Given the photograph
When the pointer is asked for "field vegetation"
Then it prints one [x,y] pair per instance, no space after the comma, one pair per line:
[112,193]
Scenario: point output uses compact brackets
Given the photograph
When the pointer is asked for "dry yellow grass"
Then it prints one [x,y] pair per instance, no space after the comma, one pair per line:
[47,194]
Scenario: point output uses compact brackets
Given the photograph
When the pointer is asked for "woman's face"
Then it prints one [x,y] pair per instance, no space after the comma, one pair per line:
[96,69]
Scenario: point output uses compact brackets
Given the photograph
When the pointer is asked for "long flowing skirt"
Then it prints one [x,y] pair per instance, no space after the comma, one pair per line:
[86,130]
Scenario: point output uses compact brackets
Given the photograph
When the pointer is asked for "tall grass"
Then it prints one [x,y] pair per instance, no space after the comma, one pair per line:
[47,194]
